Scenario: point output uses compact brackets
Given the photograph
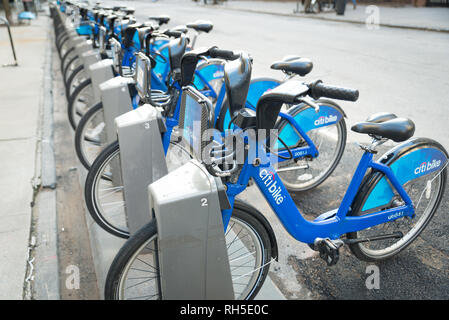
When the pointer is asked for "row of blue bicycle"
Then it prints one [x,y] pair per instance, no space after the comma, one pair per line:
[218,130]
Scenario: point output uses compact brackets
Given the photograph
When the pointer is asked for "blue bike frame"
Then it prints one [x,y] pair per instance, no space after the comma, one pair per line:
[331,224]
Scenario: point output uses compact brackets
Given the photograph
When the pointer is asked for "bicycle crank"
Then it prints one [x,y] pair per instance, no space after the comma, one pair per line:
[329,249]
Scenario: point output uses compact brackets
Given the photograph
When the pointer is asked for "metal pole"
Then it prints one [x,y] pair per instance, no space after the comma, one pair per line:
[297,8]
[15,64]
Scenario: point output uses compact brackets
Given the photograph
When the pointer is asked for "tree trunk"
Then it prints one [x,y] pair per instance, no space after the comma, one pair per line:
[7,11]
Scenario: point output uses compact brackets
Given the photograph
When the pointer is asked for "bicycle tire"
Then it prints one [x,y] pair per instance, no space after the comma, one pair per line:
[67,56]
[72,76]
[79,138]
[60,42]
[368,184]
[340,146]
[66,70]
[93,179]
[71,101]
[139,241]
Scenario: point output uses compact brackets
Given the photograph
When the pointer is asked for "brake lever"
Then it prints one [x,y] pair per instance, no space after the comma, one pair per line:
[309,102]
[203,58]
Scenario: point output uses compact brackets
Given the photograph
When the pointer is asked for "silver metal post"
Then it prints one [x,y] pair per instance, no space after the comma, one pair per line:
[15,64]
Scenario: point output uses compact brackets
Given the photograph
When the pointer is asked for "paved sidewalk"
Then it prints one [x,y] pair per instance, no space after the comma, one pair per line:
[434,19]
[20,92]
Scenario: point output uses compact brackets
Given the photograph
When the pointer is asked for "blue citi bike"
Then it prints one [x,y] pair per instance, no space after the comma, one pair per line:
[85,115]
[388,203]
[78,83]
[309,130]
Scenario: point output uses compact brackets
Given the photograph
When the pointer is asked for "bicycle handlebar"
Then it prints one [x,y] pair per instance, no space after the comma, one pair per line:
[190,59]
[173,33]
[223,54]
[318,90]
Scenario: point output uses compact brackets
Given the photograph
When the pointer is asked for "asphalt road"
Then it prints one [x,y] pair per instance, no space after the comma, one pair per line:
[396,70]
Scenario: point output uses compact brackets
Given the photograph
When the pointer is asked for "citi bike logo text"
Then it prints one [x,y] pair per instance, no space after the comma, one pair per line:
[271,185]
[218,74]
[426,166]
[325,119]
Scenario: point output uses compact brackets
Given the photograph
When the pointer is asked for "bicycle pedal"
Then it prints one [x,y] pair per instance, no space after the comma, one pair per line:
[329,250]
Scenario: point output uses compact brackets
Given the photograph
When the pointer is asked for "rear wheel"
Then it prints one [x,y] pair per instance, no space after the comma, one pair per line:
[134,275]
[426,193]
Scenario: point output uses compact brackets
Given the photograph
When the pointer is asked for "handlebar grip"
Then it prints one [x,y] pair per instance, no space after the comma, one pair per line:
[318,90]
[173,33]
[224,54]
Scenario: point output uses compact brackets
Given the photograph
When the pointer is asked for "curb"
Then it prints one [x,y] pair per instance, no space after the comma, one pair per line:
[330,19]
[44,222]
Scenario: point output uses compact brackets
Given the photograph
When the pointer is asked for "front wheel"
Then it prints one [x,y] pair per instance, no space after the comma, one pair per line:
[305,173]
[71,66]
[134,273]
[81,99]
[76,77]
[103,190]
[90,135]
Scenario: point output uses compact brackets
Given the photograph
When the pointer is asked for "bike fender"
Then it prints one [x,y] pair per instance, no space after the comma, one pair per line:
[258,87]
[308,119]
[409,160]
[209,71]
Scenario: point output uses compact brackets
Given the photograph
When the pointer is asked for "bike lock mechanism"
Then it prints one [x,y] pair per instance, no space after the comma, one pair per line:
[222,160]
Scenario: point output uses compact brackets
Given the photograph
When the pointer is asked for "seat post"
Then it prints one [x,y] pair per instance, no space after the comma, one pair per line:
[195,36]
[374,144]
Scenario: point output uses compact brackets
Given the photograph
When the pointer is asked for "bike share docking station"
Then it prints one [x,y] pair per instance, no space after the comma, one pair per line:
[74,40]
[187,204]
[116,100]
[138,131]
[100,72]
[90,57]
[142,160]
[83,47]
[191,247]
[192,252]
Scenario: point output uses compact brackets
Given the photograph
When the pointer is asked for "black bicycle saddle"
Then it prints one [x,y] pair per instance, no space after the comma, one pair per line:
[160,19]
[181,28]
[129,10]
[201,25]
[293,64]
[386,125]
